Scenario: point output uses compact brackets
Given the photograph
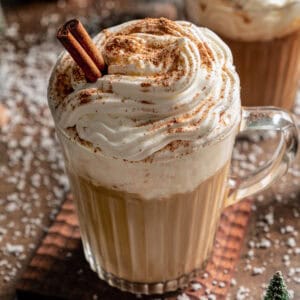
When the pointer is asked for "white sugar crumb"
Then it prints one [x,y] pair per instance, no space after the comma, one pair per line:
[195,286]
[233,282]
[285,258]
[291,242]
[36,180]
[269,218]
[183,297]
[260,198]
[291,294]
[10,207]
[242,293]
[251,244]
[278,198]
[26,141]
[14,249]
[214,282]
[287,229]
[251,254]
[264,243]
[296,213]
[258,271]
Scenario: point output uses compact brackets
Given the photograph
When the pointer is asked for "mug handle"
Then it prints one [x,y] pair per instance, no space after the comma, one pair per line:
[265,118]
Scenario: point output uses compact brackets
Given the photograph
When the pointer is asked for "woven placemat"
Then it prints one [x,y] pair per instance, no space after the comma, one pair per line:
[59,270]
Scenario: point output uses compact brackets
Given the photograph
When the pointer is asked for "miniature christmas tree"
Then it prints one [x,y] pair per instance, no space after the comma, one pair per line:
[277,289]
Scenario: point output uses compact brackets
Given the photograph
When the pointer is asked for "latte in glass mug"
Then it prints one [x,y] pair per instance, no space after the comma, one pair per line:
[148,148]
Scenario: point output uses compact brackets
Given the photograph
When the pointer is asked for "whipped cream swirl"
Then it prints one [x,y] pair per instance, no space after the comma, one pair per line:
[170,87]
[247,20]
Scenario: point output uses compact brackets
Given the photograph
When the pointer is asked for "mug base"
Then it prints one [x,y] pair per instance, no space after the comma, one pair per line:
[143,288]
[147,288]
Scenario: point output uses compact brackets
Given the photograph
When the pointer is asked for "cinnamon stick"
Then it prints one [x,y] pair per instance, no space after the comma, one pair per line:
[80,46]
[84,39]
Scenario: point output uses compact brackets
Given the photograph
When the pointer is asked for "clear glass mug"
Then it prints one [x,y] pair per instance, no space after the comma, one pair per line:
[148,227]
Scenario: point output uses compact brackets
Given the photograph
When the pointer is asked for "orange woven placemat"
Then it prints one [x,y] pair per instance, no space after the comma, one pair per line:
[58,269]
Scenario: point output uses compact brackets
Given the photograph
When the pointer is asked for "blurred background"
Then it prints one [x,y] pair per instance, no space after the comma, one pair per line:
[32,180]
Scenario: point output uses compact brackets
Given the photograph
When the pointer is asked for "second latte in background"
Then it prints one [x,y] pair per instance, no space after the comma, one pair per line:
[264,37]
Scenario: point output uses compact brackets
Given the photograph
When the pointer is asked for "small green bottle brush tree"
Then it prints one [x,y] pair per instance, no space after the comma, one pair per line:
[277,289]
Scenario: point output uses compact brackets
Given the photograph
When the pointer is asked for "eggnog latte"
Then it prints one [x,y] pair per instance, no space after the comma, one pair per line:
[264,37]
[147,149]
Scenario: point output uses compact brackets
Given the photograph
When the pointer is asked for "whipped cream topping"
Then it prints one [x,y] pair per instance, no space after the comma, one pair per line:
[170,88]
[248,20]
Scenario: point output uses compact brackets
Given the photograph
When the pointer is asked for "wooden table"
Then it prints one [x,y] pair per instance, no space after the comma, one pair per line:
[276,219]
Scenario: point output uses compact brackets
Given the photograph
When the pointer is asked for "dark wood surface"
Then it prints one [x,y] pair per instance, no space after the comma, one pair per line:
[58,269]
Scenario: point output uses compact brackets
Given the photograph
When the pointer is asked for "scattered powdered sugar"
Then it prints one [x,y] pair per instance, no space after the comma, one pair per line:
[272,241]
[30,80]
[31,167]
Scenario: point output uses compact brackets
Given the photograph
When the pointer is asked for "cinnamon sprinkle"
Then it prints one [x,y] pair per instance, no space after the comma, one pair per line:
[124,45]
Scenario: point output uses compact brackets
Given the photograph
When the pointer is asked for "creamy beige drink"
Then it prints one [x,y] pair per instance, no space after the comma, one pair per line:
[264,37]
[147,149]
[149,241]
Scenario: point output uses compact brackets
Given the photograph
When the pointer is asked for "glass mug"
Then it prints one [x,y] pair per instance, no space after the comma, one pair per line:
[148,227]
